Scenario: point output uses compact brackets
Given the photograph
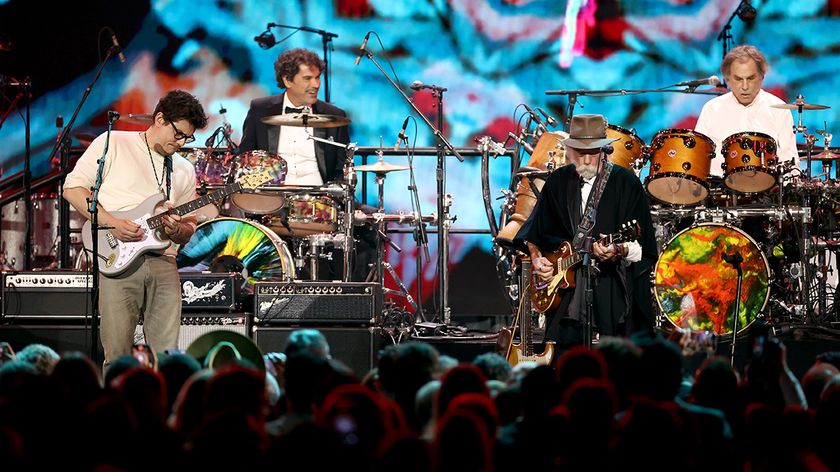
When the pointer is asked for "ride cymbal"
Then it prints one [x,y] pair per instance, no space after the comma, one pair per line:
[306,119]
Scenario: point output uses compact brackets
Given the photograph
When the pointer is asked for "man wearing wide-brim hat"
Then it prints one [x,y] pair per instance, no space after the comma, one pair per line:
[621,301]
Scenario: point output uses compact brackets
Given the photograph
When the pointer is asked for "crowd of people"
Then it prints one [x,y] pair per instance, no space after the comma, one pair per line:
[627,403]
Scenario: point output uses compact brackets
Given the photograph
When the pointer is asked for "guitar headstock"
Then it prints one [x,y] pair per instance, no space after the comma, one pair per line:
[252,181]
[629,231]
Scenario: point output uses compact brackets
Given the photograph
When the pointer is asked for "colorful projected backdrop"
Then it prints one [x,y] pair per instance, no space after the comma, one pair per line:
[491,54]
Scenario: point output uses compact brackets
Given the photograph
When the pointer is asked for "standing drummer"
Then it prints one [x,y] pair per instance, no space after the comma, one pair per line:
[747,107]
[309,162]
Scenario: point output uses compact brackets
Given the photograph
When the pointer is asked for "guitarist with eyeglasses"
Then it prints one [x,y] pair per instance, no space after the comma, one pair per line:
[139,166]
[591,206]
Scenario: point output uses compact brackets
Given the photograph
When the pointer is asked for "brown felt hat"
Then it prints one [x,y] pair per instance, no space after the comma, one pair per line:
[588,132]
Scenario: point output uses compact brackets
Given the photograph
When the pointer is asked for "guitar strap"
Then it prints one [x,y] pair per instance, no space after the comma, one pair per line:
[167,163]
[587,222]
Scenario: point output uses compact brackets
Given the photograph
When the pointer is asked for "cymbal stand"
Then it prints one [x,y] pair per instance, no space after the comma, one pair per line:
[349,192]
[805,243]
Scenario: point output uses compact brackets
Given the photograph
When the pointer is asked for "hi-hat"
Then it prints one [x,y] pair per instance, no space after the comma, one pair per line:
[381,167]
[306,119]
[142,119]
[798,105]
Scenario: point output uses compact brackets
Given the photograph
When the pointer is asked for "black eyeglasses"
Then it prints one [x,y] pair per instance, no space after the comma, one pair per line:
[179,135]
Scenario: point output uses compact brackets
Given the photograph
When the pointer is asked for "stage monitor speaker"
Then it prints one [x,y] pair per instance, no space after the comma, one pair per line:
[358,348]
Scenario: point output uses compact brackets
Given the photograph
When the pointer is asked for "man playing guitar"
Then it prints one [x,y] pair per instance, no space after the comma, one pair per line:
[137,166]
[621,284]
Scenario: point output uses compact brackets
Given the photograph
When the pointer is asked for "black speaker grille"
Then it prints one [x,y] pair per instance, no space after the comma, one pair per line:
[355,303]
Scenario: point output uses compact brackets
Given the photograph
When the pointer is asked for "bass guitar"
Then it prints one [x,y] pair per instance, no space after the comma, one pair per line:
[117,256]
[565,260]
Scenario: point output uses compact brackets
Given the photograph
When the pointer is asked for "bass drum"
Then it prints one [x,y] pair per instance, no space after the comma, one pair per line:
[237,245]
[695,287]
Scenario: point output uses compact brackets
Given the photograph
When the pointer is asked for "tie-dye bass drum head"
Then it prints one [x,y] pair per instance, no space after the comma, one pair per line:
[695,287]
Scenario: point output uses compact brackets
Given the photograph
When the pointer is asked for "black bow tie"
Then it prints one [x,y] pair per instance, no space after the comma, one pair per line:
[293,110]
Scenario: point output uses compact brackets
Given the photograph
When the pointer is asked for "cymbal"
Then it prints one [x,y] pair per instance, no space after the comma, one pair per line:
[142,119]
[795,106]
[306,119]
[84,138]
[381,167]
[825,156]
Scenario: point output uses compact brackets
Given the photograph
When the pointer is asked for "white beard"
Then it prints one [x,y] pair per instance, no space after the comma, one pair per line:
[587,172]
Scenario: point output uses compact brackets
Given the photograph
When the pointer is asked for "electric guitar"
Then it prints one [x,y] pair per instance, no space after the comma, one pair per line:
[117,256]
[524,350]
[565,261]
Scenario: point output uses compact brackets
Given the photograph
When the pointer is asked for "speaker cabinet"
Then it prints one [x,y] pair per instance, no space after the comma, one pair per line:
[62,337]
[192,327]
[358,348]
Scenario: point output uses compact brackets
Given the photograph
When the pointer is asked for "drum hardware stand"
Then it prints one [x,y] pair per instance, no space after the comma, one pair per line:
[589,270]
[805,244]
[735,260]
[349,192]
[443,146]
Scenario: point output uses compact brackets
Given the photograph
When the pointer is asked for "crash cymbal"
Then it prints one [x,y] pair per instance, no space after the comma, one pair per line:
[796,105]
[142,119]
[84,138]
[381,167]
[306,119]
[825,156]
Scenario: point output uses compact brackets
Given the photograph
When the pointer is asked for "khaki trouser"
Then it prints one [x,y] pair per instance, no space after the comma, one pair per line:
[152,290]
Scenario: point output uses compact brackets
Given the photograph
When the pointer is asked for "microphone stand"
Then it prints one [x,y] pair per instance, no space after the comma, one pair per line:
[63,205]
[735,259]
[444,201]
[573,94]
[588,296]
[326,40]
[94,238]
[420,235]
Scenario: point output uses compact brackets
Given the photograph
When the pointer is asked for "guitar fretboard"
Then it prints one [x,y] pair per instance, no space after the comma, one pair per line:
[189,207]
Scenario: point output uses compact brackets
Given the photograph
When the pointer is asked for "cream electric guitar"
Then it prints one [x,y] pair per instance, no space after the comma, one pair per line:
[117,256]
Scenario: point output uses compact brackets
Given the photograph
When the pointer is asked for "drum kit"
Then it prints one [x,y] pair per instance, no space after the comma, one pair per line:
[281,231]
[778,220]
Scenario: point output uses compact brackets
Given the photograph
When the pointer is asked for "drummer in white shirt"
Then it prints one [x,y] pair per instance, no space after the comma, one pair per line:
[747,108]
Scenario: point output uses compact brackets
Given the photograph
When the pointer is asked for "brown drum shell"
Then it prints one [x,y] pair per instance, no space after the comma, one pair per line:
[749,162]
[549,148]
[628,149]
[679,166]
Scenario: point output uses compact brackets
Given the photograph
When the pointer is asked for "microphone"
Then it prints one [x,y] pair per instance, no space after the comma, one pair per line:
[401,137]
[536,117]
[550,119]
[521,142]
[113,116]
[713,80]
[265,40]
[362,48]
[417,85]
[117,47]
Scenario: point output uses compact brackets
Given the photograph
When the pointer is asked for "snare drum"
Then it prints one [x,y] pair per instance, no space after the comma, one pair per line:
[695,287]
[679,166]
[749,162]
[237,245]
[628,149]
[305,215]
[259,161]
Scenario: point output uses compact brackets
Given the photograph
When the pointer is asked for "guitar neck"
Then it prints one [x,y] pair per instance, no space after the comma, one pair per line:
[525,315]
[189,207]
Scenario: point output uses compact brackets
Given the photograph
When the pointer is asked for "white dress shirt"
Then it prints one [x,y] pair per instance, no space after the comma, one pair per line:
[298,150]
[634,249]
[724,116]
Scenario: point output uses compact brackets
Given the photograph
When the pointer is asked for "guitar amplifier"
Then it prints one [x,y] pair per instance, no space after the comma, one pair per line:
[317,303]
[46,294]
[211,291]
[195,325]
